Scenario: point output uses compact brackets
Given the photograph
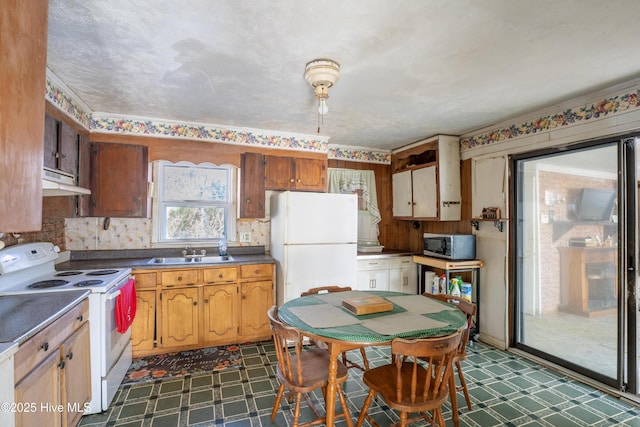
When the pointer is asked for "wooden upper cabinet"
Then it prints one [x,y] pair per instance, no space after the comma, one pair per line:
[23,55]
[252,186]
[67,149]
[119,180]
[84,174]
[426,180]
[310,174]
[295,173]
[278,172]
[50,142]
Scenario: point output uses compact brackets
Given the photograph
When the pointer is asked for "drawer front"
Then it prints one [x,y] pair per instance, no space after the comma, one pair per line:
[373,264]
[401,262]
[45,342]
[256,270]
[180,278]
[145,280]
[223,274]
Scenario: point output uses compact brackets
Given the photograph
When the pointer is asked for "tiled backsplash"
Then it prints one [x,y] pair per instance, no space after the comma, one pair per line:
[135,233]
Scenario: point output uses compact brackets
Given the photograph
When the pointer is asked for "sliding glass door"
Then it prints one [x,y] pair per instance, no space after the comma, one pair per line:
[574,234]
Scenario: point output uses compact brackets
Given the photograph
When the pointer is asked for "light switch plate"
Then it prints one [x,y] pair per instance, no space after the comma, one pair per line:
[245,237]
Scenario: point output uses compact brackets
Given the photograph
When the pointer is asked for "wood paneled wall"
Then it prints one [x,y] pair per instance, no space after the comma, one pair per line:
[407,235]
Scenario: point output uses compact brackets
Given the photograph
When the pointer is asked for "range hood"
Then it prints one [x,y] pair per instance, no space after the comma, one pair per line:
[57,183]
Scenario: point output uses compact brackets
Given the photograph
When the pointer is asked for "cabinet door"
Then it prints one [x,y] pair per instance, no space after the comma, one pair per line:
[76,375]
[119,180]
[84,174]
[373,280]
[255,300]
[402,198]
[425,192]
[252,197]
[403,280]
[278,173]
[220,312]
[179,317]
[67,149]
[50,142]
[42,384]
[143,328]
[310,174]
[23,55]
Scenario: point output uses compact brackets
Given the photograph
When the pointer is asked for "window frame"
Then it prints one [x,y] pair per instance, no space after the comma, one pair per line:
[158,216]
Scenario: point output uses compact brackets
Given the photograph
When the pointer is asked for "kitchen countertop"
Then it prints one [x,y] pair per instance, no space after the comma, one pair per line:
[386,253]
[146,264]
[25,315]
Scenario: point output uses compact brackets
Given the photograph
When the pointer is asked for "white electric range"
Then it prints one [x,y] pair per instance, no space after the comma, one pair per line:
[30,269]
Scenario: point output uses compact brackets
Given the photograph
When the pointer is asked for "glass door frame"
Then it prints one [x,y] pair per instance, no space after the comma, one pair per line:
[627,369]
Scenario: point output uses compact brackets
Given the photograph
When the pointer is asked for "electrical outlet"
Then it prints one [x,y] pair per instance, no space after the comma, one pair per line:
[245,237]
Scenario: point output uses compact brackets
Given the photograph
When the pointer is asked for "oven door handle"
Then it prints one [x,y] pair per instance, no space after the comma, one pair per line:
[113,295]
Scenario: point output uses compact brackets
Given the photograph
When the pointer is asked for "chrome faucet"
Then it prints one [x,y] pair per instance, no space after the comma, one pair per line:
[187,249]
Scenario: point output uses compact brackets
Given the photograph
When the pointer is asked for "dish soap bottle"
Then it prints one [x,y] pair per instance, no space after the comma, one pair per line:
[222,247]
[455,287]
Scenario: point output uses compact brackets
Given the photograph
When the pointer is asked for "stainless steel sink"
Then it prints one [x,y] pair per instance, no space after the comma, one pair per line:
[192,260]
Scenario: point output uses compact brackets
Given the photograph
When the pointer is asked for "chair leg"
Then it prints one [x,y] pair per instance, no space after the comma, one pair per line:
[437,418]
[365,361]
[403,419]
[296,411]
[463,383]
[345,408]
[365,408]
[276,405]
[454,400]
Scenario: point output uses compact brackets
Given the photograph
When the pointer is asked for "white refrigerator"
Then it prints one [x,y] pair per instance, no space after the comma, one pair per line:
[314,241]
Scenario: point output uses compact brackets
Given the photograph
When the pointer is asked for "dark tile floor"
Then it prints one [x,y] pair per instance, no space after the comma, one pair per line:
[505,389]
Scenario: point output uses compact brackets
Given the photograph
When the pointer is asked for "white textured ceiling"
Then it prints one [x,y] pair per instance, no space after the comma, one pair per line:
[410,69]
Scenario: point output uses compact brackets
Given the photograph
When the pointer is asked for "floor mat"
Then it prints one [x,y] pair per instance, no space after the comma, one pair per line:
[191,362]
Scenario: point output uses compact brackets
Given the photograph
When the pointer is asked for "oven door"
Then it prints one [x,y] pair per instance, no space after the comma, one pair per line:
[114,342]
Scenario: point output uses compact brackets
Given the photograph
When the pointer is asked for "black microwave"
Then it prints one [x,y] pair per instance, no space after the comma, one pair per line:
[450,246]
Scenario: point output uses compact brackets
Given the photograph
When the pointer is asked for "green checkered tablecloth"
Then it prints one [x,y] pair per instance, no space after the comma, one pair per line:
[449,320]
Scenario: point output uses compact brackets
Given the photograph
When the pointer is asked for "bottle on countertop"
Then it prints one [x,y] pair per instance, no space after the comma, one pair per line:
[435,285]
[222,247]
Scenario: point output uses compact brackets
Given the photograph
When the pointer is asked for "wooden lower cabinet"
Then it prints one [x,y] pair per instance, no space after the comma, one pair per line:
[40,386]
[180,316]
[220,312]
[53,380]
[143,329]
[218,306]
[256,300]
[76,389]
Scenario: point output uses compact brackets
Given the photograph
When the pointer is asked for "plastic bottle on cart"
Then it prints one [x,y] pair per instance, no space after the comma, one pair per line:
[443,284]
[435,285]
[455,287]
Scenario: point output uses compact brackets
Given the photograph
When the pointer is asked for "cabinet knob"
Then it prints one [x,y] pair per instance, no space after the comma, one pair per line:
[79,318]
[179,278]
[291,180]
[61,365]
[70,355]
[206,301]
[195,303]
[45,346]
[248,201]
[220,275]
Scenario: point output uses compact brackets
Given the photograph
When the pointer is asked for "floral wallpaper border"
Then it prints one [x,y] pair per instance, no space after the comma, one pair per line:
[359,155]
[572,116]
[57,94]
[128,125]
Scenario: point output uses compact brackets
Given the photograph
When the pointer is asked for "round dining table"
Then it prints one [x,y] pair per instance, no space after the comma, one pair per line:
[324,317]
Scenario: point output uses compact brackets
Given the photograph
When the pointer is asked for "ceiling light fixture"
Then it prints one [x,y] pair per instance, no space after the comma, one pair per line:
[321,74]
